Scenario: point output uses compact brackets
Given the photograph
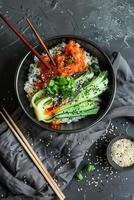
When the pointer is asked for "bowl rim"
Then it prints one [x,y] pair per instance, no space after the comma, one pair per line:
[110,101]
[108,152]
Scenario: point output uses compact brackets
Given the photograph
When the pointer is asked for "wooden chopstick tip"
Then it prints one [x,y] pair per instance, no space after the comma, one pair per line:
[40,40]
[28,20]
[2,114]
[4,109]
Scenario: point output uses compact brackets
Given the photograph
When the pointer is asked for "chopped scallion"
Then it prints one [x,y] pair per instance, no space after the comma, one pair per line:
[79,176]
[90,168]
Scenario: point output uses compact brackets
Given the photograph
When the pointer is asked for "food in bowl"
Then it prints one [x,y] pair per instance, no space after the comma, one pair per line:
[122,152]
[70,90]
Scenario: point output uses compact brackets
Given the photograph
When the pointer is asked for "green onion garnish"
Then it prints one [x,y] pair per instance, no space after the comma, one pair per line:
[90,168]
[79,176]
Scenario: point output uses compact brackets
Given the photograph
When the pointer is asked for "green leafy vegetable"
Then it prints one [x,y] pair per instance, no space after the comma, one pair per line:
[95,87]
[95,68]
[83,79]
[83,104]
[61,86]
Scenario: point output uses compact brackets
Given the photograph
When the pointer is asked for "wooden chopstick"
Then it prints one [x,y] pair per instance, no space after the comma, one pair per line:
[24,40]
[33,156]
[40,40]
[19,135]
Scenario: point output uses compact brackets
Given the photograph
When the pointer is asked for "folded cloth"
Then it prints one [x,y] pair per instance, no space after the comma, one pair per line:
[60,153]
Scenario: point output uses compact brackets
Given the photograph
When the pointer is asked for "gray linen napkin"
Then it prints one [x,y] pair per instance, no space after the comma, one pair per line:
[60,153]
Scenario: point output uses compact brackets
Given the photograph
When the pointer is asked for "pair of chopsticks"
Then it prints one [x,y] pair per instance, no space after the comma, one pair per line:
[27,43]
[19,135]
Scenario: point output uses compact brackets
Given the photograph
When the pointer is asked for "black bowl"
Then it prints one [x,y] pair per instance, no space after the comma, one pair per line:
[107,97]
[110,160]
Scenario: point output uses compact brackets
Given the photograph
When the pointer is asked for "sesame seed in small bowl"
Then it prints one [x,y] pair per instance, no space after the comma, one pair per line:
[120,152]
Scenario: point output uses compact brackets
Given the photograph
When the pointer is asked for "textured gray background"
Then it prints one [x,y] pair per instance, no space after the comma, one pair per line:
[109,23]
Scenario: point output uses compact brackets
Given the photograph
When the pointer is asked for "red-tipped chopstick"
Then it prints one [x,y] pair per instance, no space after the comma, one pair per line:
[24,40]
[41,41]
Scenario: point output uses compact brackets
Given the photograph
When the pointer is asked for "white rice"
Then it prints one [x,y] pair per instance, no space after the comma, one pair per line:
[34,71]
[90,59]
[122,152]
[58,49]
[33,76]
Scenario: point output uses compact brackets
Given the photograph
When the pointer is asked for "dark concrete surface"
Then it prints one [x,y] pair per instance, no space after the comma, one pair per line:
[109,23]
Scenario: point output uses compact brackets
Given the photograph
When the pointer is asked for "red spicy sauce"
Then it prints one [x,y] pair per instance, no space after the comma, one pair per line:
[52,111]
[69,62]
